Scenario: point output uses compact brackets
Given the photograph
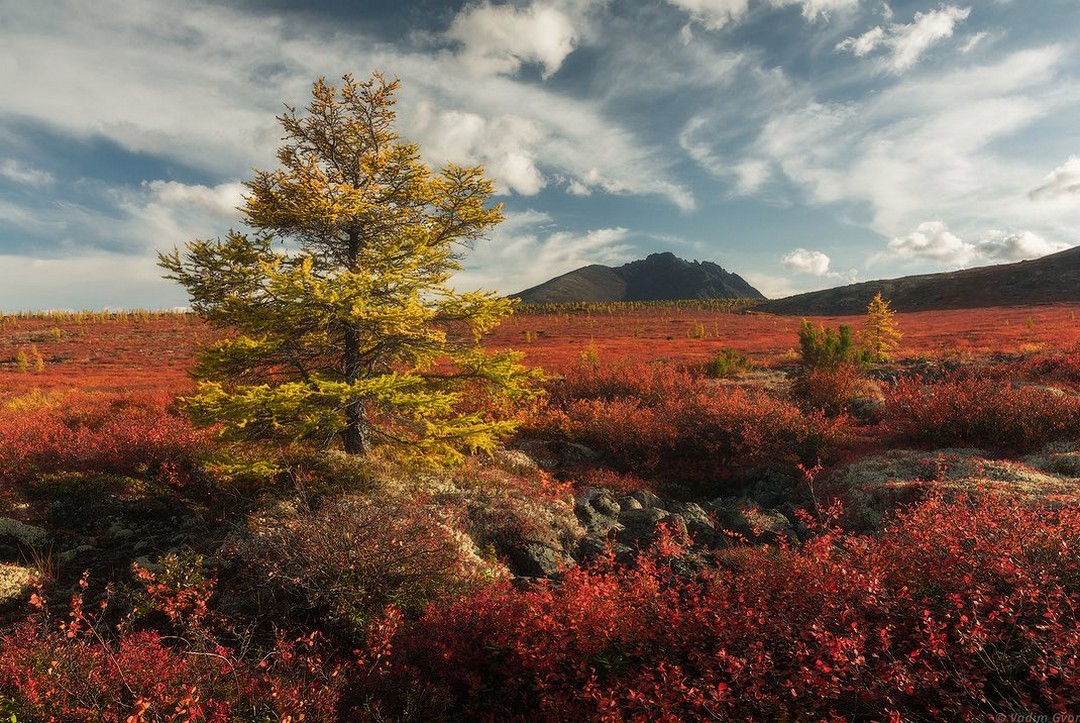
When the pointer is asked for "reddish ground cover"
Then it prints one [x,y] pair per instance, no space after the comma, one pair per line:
[960,606]
[155,351]
[554,341]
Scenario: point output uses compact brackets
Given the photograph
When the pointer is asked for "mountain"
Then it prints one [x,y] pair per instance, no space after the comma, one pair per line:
[1048,279]
[658,277]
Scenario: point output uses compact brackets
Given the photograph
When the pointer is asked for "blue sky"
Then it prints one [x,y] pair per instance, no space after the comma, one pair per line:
[800,143]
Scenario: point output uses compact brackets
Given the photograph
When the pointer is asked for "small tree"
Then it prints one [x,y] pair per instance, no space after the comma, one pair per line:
[880,334]
[350,328]
[823,347]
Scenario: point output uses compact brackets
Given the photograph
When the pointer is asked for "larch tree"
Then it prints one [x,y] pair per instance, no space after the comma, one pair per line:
[880,333]
[344,323]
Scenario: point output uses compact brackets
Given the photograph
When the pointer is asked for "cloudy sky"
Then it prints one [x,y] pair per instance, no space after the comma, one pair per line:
[800,143]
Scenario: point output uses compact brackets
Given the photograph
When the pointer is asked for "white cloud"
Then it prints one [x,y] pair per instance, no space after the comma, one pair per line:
[814,9]
[908,42]
[773,287]
[500,38]
[497,264]
[865,43]
[176,81]
[222,200]
[933,240]
[924,148]
[25,175]
[973,42]
[716,14]
[806,262]
[1016,246]
[752,174]
[507,145]
[1062,182]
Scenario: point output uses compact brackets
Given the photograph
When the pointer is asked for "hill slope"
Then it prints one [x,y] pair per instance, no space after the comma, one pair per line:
[1048,279]
[659,277]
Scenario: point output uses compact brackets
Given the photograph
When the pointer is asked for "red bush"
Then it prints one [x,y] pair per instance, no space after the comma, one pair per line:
[81,432]
[981,411]
[829,389]
[80,669]
[1063,366]
[955,611]
[653,420]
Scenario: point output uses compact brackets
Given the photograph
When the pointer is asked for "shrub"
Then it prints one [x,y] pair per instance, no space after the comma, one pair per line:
[831,390]
[81,669]
[660,421]
[976,410]
[958,611]
[1061,366]
[830,375]
[83,432]
[823,347]
[342,560]
[727,363]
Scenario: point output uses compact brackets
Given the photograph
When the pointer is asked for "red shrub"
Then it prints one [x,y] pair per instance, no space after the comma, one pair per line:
[955,611]
[1061,366]
[981,411]
[81,670]
[81,432]
[829,389]
[653,420]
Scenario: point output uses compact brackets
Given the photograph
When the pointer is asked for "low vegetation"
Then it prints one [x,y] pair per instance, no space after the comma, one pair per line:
[689,512]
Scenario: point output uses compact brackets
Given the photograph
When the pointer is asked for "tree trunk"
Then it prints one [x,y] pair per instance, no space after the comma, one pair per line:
[356,436]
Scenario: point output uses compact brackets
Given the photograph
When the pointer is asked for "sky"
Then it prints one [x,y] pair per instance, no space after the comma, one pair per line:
[802,144]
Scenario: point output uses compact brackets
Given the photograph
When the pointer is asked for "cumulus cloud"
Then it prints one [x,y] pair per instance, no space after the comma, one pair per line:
[1062,182]
[1016,246]
[807,262]
[501,38]
[934,241]
[907,42]
[815,263]
[507,145]
[25,175]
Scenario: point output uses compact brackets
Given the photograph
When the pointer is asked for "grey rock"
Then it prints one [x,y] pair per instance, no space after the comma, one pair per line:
[22,533]
[646,498]
[640,526]
[535,560]
[67,556]
[605,504]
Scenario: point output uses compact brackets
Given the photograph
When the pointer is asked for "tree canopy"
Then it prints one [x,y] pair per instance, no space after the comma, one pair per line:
[344,322]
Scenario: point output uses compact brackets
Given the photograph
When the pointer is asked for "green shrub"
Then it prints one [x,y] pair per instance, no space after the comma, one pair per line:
[727,363]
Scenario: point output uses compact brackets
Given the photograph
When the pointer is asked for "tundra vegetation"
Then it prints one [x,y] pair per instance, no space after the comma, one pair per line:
[707,513]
